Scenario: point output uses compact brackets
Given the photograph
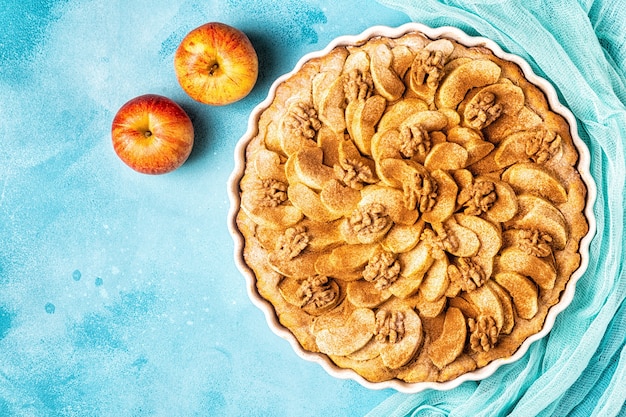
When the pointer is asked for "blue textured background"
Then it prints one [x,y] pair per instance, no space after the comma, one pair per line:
[118,292]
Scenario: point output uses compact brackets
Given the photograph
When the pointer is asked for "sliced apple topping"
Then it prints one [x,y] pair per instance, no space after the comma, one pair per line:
[309,169]
[329,97]
[358,329]
[522,290]
[365,116]
[392,200]
[490,102]
[495,199]
[386,81]
[351,257]
[535,179]
[400,332]
[454,86]
[446,156]
[315,294]
[365,294]
[477,148]
[540,270]
[298,127]
[353,169]
[507,306]
[451,342]
[436,281]
[536,213]
[460,241]
[413,266]
[329,142]
[537,145]
[400,111]
[402,238]
[310,203]
[300,266]
[339,198]
[446,198]
[268,165]
[488,304]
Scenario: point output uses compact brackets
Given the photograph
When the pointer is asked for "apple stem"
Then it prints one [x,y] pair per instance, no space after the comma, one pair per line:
[213,69]
[147,133]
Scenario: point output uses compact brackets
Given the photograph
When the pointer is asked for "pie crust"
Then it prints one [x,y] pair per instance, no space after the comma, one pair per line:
[410,207]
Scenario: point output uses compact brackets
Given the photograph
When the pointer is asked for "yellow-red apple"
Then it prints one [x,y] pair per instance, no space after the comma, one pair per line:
[216,64]
[152,134]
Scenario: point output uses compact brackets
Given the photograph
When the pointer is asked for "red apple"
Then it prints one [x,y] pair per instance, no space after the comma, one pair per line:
[216,64]
[152,134]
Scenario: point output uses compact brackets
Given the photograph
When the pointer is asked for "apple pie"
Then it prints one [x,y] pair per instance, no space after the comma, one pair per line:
[410,207]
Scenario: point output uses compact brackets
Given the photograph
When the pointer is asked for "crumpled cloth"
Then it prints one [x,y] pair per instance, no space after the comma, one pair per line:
[579,369]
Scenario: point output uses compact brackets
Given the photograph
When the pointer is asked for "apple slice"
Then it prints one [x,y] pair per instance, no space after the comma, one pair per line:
[358,60]
[280,217]
[292,291]
[436,281]
[329,141]
[505,207]
[446,156]
[451,342]
[446,198]
[460,80]
[353,335]
[366,114]
[398,354]
[351,158]
[536,213]
[507,306]
[329,97]
[353,257]
[268,166]
[326,266]
[386,81]
[490,237]
[504,96]
[486,301]
[362,293]
[477,148]
[392,199]
[535,179]
[398,112]
[308,167]
[290,141]
[301,266]
[402,59]
[338,198]
[522,290]
[402,238]
[467,244]
[489,234]
[541,270]
[386,145]
[309,202]
[413,267]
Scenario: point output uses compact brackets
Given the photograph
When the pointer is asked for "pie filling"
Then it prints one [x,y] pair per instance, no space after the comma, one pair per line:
[411,207]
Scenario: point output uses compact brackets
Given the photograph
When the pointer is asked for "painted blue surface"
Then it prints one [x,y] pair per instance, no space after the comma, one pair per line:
[118,292]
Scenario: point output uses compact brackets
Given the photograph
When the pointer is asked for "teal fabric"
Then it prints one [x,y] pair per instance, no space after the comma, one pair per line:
[580,368]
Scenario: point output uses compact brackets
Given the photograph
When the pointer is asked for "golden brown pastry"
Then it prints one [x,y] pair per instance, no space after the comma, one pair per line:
[411,207]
